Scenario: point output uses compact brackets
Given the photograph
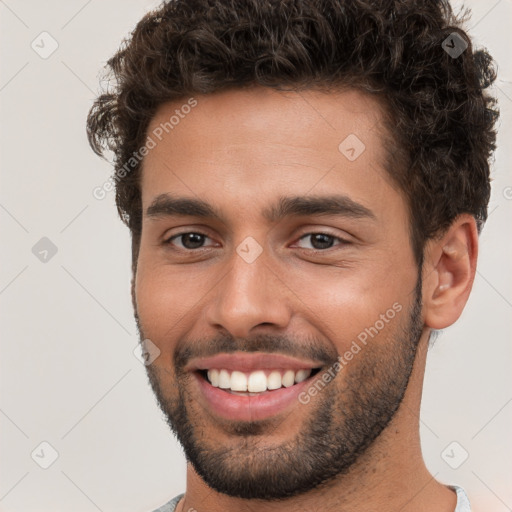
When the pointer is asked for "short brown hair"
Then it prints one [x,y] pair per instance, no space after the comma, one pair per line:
[440,118]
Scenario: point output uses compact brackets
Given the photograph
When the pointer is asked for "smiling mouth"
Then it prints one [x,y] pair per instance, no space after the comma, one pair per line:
[256,382]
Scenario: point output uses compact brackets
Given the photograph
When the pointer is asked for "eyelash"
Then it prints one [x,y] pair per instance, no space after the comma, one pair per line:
[168,241]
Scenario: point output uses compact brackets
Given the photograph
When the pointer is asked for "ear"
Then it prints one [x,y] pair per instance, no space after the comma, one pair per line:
[449,271]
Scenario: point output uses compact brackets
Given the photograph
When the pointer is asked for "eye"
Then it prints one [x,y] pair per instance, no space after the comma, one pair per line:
[322,241]
[189,240]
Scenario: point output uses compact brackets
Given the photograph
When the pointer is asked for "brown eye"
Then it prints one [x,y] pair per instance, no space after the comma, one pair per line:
[322,241]
[188,240]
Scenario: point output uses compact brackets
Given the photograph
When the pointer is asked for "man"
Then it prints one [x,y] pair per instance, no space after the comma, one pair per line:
[304,183]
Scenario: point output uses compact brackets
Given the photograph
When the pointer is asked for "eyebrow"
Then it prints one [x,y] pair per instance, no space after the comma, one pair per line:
[166,205]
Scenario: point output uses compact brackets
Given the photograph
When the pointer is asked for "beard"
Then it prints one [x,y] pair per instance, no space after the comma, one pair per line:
[348,415]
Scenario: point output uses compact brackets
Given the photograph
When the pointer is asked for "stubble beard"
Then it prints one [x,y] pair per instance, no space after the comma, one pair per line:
[340,427]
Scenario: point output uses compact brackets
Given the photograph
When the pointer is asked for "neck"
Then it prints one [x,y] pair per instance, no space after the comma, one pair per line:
[390,476]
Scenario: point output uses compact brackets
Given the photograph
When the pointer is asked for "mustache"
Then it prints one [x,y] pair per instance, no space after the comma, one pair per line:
[305,348]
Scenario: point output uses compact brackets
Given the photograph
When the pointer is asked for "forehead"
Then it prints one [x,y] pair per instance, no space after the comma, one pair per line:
[244,147]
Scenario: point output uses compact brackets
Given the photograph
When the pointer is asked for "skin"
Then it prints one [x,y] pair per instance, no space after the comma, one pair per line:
[241,151]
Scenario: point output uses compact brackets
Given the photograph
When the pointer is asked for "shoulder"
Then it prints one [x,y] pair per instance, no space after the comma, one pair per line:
[170,506]
[463,504]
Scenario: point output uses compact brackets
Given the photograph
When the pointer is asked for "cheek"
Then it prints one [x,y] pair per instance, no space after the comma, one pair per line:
[167,298]
[157,304]
[354,305]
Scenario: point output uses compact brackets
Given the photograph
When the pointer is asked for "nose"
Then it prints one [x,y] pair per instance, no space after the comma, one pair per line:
[248,296]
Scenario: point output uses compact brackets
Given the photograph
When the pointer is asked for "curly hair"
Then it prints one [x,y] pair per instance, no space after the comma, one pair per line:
[441,119]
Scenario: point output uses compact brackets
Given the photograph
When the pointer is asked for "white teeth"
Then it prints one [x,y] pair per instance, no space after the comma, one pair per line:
[257,381]
[224,379]
[238,381]
[274,380]
[213,377]
[302,375]
[288,378]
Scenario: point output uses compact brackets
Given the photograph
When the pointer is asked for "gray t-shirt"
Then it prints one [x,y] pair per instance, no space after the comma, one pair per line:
[462,502]
[170,506]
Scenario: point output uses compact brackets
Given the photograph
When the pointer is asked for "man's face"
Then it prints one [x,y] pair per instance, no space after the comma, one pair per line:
[273,292]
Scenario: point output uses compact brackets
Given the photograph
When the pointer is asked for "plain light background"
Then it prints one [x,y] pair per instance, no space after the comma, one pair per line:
[68,373]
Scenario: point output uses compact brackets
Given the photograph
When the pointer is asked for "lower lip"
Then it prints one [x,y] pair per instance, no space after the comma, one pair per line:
[250,408]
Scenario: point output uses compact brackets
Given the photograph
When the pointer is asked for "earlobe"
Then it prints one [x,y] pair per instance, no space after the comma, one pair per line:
[449,272]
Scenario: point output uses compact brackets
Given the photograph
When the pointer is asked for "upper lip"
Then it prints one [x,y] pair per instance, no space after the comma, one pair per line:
[249,362]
